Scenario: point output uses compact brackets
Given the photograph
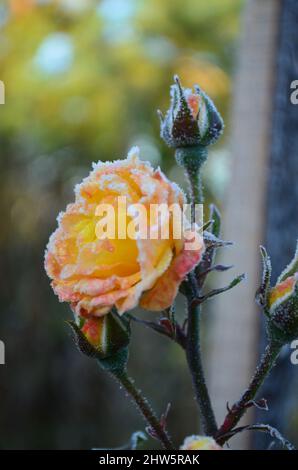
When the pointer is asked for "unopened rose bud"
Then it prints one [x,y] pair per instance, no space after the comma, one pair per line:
[283,304]
[192,119]
[101,337]
[200,443]
[283,312]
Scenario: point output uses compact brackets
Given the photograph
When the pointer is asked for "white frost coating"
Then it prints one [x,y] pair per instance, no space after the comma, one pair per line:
[203,118]
[147,185]
[177,190]
[51,243]
[104,178]
[59,216]
[133,153]
[132,157]
[117,186]
[188,92]
[293,266]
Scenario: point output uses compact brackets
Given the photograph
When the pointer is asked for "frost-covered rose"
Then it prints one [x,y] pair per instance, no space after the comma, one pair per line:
[94,274]
[283,302]
[200,443]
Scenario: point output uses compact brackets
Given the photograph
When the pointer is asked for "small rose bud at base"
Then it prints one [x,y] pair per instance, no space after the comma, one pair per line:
[200,443]
[101,337]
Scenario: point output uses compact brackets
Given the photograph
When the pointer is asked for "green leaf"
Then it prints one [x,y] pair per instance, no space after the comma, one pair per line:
[207,225]
[274,433]
[216,217]
[212,241]
[215,292]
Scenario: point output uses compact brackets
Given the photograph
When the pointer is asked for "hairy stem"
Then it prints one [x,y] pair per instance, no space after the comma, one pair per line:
[240,407]
[193,354]
[145,408]
[192,160]
[195,188]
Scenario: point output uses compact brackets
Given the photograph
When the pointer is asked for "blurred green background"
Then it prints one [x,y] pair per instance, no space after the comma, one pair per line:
[83,82]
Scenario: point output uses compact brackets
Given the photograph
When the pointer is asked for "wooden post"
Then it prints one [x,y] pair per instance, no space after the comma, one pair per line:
[235,331]
[282,207]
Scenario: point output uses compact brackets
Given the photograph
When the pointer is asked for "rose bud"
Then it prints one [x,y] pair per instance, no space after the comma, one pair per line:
[283,304]
[192,119]
[200,443]
[101,337]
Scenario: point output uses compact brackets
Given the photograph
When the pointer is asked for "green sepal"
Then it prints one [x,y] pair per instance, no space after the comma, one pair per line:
[82,343]
[215,122]
[115,364]
[262,293]
[215,216]
[291,269]
[191,158]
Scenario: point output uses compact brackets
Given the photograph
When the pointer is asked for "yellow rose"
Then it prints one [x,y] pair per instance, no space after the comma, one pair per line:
[94,274]
[200,443]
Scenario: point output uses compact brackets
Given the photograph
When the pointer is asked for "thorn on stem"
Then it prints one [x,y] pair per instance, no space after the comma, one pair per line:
[160,115]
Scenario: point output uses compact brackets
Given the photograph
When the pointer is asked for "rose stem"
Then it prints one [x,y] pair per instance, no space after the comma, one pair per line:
[240,407]
[192,163]
[193,354]
[144,407]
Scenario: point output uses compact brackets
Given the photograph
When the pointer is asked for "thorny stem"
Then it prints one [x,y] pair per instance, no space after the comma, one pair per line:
[240,407]
[145,408]
[192,165]
[193,354]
